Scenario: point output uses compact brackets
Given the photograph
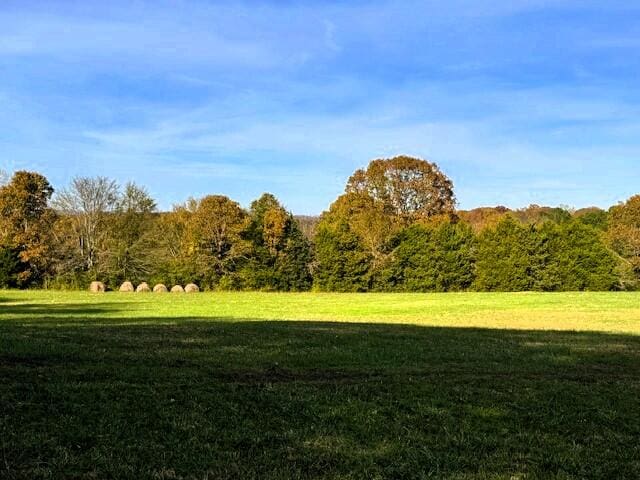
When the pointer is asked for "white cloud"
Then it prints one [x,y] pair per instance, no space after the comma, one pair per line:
[296,98]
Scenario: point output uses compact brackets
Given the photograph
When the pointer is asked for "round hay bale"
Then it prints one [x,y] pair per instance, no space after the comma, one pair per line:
[177,289]
[96,287]
[127,287]
[191,288]
[160,288]
[143,288]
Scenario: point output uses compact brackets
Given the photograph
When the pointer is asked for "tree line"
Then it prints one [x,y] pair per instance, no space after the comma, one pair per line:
[395,228]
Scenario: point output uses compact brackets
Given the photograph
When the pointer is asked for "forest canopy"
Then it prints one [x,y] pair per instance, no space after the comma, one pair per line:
[395,228]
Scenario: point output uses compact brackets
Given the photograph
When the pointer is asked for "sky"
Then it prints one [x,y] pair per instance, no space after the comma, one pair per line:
[518,102]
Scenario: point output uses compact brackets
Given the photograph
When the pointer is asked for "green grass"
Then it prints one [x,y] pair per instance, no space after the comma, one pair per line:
[251,385]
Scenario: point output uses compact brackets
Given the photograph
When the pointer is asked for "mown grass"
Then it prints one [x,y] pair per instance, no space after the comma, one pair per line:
[226,385]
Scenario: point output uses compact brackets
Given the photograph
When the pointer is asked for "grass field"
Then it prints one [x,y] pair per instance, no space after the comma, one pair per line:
[251,385]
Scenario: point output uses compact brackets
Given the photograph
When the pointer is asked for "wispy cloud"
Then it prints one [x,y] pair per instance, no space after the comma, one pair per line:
[519,102]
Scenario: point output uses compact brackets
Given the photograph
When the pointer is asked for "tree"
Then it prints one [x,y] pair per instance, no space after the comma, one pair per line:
[483,217]
[275,225]
[537,215]
[623,233]
[369,220]
[565,256]
[68,267]
[436,257]
[506,258]
[308,225]
[213,238]
[267,222]
[280,254]
[88,202]
[342,264]
[409,187]
[293,265]
[126,252]
[10,268]
[25,224]
[351,242]
[172,255]
[576,258]
[135,199]
[593,216]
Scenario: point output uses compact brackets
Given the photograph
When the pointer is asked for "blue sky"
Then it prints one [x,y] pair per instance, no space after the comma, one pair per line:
[519,102]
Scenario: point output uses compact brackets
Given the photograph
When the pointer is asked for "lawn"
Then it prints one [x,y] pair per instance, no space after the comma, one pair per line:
[258,385]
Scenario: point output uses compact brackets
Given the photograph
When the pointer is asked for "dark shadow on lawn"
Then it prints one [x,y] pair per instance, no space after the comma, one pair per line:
[256,399]
[18,311]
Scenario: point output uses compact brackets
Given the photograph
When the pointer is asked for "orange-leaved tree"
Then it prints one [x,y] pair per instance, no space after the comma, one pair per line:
[26,222]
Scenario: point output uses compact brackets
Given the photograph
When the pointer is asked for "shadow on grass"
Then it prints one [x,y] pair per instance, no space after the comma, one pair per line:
[135,398]
[14,311]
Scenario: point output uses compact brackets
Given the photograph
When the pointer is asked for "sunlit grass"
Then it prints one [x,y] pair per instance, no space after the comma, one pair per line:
[591,311]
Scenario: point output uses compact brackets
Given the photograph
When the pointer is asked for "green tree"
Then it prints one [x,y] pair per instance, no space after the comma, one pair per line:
[294,263]
[10,267]
[172,256]
[267,222]
[565,256]
[593,216]
[214,240]
[280,254]
[507,257]
[372,223]
[537,215]
[126,253]
[351,242]
[342,264]
[25,225]
[435,257]
[576,258]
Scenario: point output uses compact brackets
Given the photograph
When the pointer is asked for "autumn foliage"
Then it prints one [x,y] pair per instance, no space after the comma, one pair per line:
[395,228]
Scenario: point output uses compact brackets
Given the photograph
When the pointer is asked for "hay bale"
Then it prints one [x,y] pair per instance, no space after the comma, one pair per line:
[160,288]
[143,288]
[177,289]
[96,287]
[191,288]
[127,287]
